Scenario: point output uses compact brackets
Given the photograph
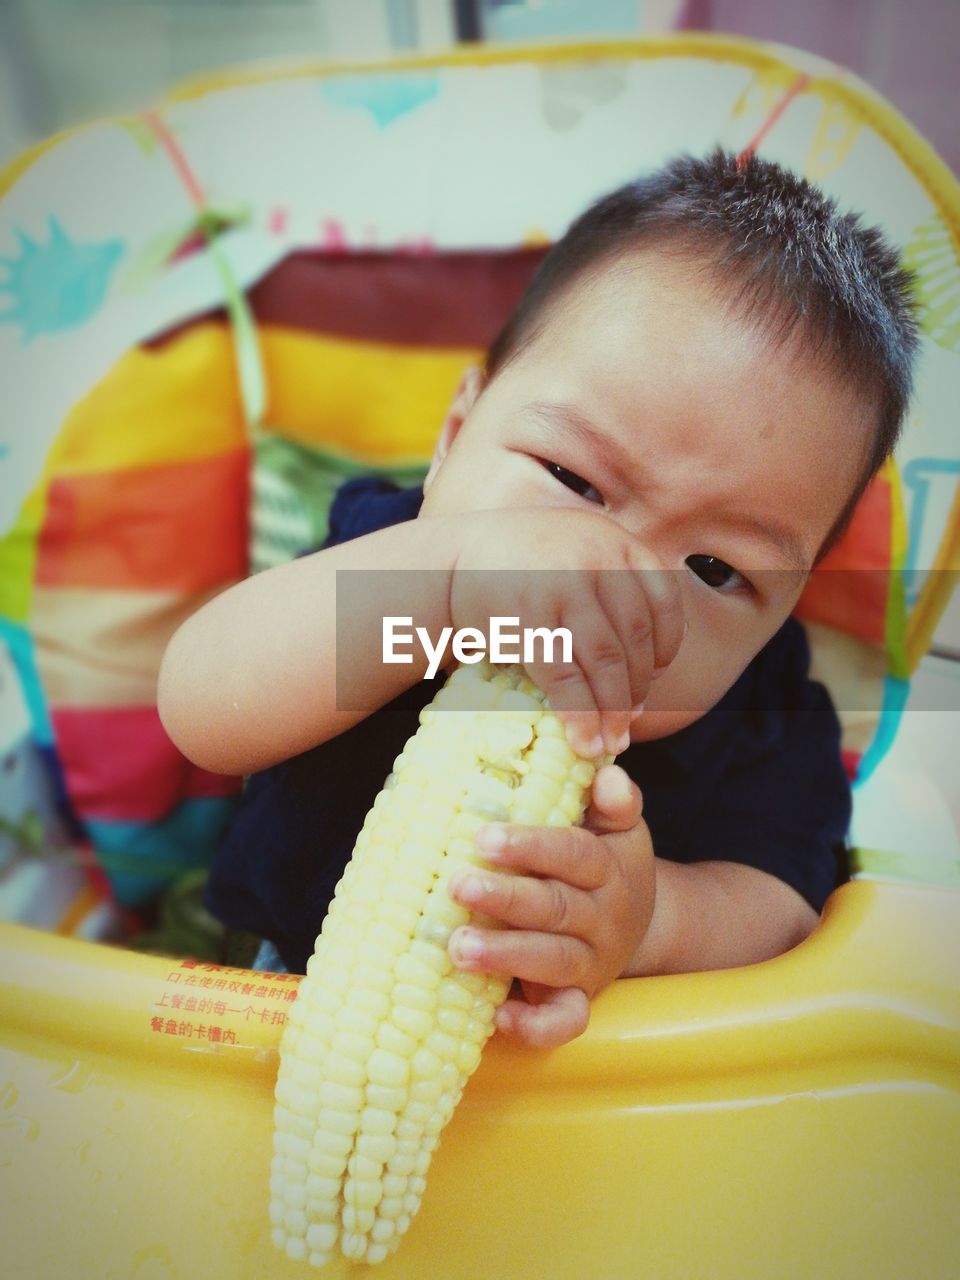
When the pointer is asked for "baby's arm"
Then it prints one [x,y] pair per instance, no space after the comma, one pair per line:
[251,678]
[254,676]
[717,915]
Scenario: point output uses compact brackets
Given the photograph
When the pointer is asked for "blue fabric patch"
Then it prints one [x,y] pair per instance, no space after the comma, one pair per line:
[20,643]
[386,97]
[141,858]
[58,285]
[895,694]
[269,960]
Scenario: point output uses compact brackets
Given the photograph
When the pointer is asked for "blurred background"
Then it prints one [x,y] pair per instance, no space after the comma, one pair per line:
[63,62]
[66,61]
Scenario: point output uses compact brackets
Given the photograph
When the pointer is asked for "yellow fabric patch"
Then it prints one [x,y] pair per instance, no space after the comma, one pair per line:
[159,405]
[18,556]
[377,402]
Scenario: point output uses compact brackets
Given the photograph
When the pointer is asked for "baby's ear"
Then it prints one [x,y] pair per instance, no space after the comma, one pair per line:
[468,392]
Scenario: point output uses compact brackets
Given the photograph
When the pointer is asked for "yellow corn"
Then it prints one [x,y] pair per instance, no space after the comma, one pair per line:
[385,1032]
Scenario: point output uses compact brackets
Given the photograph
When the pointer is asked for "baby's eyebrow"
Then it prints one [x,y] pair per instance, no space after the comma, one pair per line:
[590,436]
[785,540]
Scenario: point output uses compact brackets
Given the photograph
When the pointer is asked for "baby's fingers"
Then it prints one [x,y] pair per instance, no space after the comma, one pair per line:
[560,1016]
[555,959]
[571,854]
[603,661]
[664,599]
[591,692]
[525,903]
[568,690]
[615,802]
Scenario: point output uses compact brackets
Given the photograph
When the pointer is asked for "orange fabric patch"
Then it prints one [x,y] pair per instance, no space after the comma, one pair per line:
[848,589]
[171,528]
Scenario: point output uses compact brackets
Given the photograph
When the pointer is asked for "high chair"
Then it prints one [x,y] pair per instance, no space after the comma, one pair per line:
[210,314]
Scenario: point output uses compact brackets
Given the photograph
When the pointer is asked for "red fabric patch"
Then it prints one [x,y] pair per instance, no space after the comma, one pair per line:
[121,766]
[851,762]
[408,298]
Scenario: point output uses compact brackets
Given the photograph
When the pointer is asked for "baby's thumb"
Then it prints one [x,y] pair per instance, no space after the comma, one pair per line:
[616,802]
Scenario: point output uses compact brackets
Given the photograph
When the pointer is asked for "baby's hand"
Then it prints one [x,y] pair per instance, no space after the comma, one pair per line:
[578,906]
[625,625]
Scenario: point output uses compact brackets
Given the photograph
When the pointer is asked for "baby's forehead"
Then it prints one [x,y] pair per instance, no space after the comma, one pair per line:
[653,276]
[681,311]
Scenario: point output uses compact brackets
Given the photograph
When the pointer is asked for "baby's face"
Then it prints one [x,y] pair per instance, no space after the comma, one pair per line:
[643,401]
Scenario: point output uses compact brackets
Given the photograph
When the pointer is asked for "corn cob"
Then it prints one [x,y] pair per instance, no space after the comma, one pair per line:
[385,1032]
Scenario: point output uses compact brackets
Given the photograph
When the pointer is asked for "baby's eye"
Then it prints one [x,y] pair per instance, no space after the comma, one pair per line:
[717,573]
[572,481]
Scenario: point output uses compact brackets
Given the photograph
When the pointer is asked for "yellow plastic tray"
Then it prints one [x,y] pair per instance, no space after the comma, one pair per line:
[796,1118]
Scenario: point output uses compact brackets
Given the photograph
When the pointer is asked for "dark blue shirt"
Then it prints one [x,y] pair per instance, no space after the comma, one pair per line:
[757,780]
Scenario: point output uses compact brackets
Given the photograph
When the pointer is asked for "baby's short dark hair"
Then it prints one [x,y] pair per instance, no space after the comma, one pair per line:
[782,256]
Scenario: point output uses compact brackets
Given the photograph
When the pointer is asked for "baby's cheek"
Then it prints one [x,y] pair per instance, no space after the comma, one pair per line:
[691,685]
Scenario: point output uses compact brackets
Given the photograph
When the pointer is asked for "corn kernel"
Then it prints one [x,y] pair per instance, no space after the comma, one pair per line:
[393,1039]
[335,1130]
[386,1068]
[393,1184]
[294,1195]
[353,1246]
[359,1218]
[391,1206]
[377,1146]
[319,1188]
[340,1069]
[296,1250]
[451,994]
[340,1097]
[452,1021]
[295,1221]
[381,1231]
[377,1120]
[388,1097]
[321,1236]
[327,1166]
[425,1064]
[415,997]
[426,1091]
[409,969]
[358,1021]
[352,1045]
[363,1193]
[415,1022]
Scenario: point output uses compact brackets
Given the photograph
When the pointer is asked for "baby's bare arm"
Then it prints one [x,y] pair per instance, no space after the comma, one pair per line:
[718,915]
[251,678]
[255,676]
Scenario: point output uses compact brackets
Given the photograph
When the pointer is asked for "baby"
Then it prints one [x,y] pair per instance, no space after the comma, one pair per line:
[682,413]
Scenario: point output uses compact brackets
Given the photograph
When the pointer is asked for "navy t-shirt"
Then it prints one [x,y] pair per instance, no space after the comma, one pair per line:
[757,780]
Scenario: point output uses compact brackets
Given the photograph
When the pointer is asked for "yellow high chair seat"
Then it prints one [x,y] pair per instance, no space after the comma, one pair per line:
[210,315]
